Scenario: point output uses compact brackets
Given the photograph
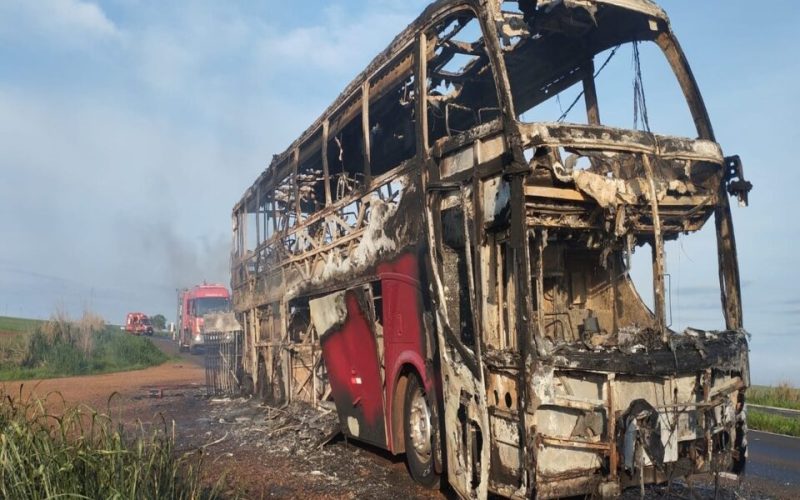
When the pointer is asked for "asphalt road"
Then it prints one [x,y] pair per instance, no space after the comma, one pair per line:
[167,345]
[774,458]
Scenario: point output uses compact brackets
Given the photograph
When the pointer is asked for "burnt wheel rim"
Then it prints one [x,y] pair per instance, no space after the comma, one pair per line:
[420,425]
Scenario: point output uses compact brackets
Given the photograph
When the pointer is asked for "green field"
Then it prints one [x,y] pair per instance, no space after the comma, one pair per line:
[61,347]
[18,325]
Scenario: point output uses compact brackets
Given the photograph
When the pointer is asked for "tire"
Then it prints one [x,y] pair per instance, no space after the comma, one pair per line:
[419,434]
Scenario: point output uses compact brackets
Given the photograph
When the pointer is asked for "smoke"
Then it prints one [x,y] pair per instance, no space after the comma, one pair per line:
[178,260]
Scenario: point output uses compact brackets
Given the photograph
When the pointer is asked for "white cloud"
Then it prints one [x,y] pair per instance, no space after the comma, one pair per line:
[72,22]
[78,14]
[180,50]
[342,44]
[164,63]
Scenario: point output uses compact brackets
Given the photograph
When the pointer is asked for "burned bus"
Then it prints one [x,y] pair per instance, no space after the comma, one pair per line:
[453,272]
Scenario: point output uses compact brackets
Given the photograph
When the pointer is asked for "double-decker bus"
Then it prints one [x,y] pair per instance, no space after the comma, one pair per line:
[453,272]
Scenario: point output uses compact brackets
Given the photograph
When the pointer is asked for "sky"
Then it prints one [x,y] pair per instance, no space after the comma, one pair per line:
[130,128]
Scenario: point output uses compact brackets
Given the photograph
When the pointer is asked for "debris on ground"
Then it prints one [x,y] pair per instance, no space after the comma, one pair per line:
[291,450]
[700,488]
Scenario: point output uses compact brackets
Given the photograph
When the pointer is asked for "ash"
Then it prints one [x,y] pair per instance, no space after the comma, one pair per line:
[289,451]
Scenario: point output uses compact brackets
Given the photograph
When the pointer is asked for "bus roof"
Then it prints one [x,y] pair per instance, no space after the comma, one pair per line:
[406,37]
[400,41]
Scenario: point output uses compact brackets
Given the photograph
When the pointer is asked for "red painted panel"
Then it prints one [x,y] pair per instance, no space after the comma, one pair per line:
[403,332]
[351,359]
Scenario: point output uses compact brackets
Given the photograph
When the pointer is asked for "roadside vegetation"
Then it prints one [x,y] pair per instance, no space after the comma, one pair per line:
[770,422]
[80,453]
[781,396]
[62,347]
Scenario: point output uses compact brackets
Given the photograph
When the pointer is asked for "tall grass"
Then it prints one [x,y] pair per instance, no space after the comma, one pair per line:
[80,453]
[13,336]
[61,347]
[781,396]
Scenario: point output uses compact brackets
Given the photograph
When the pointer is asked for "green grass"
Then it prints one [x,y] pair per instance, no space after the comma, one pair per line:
[61,348]
[782,396]
[80,453]
[116,350]
[18,325]
[779,424]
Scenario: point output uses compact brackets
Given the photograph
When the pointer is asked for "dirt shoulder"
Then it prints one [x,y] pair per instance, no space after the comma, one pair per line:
[131,390]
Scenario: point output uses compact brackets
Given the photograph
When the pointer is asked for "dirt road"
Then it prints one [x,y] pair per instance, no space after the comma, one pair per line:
[282,453]
[126,394]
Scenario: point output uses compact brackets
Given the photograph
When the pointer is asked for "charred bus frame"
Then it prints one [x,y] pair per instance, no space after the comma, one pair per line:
[456,281]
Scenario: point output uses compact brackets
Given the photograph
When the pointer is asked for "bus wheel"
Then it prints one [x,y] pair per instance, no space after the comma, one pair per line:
[418,430]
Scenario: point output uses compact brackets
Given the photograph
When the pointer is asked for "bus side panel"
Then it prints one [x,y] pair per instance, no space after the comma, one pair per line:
[403,330]
[350,354]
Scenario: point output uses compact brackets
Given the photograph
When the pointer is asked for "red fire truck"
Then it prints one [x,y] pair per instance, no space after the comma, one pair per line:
[138,323]
[193,303]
